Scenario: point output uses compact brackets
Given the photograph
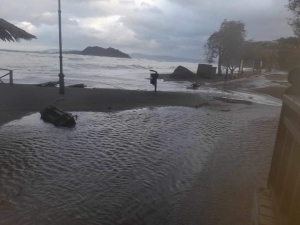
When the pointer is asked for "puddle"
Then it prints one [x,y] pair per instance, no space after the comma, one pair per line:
[130,167]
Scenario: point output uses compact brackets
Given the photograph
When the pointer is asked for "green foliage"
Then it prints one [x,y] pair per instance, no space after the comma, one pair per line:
[213,48]
[288,53]
[228,45]
[283,53]
[294,7]
[225,44]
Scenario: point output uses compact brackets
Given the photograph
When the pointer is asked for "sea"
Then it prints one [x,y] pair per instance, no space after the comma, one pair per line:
[108,72]
[93,71]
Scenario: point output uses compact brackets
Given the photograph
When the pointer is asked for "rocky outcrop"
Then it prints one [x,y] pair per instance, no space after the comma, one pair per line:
[108,52]
[182,73]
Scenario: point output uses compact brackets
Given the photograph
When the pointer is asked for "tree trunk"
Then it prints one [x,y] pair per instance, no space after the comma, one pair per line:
[219,67]
[227,70]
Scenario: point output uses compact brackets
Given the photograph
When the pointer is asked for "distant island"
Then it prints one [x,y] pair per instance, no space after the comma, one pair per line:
[98,51]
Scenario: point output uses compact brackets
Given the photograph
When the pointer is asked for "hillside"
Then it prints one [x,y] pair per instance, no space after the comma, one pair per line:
[109,52]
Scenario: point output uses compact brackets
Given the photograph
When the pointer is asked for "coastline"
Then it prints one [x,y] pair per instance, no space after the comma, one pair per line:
[275,91]
[21,99]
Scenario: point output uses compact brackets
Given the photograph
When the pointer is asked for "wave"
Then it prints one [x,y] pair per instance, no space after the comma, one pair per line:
[133,66]
[76,59]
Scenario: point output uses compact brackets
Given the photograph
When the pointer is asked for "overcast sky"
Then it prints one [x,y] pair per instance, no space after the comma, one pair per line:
[162,27]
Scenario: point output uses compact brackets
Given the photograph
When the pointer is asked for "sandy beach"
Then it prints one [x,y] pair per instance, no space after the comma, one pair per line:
[20,100]
[275,91]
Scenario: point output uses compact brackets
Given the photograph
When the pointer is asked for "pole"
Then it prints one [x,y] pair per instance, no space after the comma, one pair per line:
[11,78]
[61,74]
[241,67]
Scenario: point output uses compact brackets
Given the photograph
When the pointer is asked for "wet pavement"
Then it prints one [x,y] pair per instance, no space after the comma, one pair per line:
[169,165]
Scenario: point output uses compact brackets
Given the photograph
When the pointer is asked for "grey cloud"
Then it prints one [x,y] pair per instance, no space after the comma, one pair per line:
[149,9]
[187,29]
[177,26]
[127,2]
[50,19]
[145,4]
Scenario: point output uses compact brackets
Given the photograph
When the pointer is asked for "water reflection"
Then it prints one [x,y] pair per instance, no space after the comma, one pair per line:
[118,168]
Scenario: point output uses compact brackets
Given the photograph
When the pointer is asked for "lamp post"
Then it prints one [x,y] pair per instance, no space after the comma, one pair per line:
[61,74]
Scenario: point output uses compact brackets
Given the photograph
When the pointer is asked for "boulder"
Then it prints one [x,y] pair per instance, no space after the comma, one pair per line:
[182,73]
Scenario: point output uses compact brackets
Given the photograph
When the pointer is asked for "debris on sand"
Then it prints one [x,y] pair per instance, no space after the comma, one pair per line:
[233,101]
[48,84]
[194,86]
[201,105]
[57,116]
[77,86]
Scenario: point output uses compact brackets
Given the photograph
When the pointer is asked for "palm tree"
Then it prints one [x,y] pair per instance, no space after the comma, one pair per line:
[9,32]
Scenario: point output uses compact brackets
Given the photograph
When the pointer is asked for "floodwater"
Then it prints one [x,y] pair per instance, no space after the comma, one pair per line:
[131,167]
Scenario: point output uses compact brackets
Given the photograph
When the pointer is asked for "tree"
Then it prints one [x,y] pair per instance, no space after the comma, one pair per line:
[294,7]
[265,51]
[234,35]
[249,53]
[214,49]
[283,53]
[288,53]
[225,44]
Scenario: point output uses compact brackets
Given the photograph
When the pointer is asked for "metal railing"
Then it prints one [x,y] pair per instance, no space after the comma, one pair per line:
[284,177]
[10,74]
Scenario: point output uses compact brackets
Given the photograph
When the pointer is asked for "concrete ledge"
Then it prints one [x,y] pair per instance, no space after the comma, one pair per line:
[293,102]
[264,212]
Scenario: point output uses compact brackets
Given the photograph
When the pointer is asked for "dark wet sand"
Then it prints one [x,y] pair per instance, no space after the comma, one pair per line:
[276,92]
[167,77]
[19,100]
[276,77]
[223,192]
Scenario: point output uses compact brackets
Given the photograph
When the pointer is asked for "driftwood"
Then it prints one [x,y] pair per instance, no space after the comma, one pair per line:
[77,86]
[194,86]
[48,84]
